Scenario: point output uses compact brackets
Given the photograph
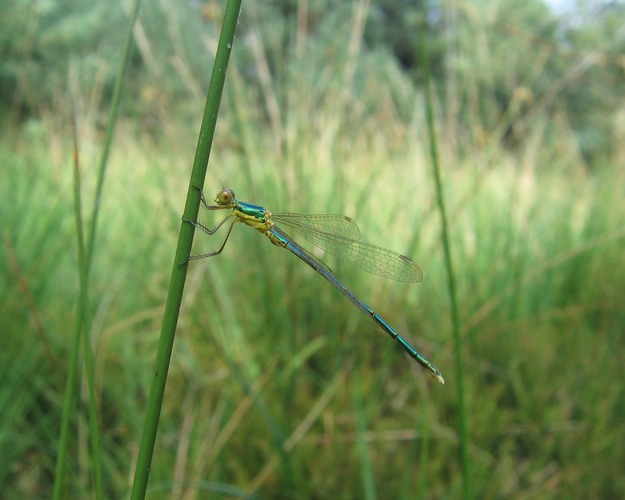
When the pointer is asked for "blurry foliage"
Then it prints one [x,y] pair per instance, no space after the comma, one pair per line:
[40,38]
[395,24]
[497,65]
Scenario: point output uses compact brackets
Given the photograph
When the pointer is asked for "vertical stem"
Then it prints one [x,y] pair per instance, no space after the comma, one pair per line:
[82,317]
[176,287]
[451,280]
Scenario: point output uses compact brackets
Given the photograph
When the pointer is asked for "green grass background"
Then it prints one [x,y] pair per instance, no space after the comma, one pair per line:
[278,386]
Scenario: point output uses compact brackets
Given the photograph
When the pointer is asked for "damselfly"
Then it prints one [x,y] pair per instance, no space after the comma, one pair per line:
[338,235]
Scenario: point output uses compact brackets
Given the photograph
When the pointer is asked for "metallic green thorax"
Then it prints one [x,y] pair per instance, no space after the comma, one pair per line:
[259,218]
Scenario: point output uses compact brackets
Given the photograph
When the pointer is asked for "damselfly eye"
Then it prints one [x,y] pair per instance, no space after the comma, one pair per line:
[224,197]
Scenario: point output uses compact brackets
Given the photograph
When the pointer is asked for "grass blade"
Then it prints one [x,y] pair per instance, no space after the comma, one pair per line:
[451,280]
[85,256]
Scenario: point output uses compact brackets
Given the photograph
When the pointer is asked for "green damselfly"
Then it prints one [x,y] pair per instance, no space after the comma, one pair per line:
[338,235]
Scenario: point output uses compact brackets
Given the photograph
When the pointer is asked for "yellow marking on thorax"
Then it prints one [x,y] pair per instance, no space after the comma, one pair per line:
[259,224]
[262,226]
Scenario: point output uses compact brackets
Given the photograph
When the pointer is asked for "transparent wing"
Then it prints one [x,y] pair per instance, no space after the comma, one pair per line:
[306,225]
[339,236]
[320,230]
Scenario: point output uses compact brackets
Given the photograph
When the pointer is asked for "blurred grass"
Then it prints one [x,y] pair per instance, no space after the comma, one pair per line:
[85,238]
[278,386]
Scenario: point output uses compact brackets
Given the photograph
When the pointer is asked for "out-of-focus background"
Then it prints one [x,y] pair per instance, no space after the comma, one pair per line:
[279,387]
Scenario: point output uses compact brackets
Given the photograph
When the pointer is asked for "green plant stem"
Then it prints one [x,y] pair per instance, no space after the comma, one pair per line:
[82,322]
[183,251]
[364,453]
[82,316]
[451,281]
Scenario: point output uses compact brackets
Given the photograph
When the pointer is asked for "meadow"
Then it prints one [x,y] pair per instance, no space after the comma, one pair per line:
[279,387]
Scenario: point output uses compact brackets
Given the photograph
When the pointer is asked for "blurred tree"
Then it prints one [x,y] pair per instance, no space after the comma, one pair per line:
[396,25]
[594,38]
[38,40]
[497,65]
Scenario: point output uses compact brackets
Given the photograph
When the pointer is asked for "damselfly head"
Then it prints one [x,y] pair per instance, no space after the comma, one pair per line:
[225,197]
